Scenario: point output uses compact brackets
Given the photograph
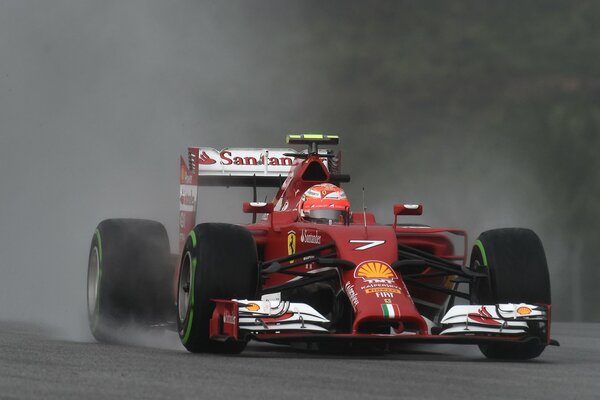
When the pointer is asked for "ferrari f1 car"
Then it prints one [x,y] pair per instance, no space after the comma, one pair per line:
[312,271]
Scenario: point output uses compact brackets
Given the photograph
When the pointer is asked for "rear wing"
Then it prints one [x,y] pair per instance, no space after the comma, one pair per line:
[231,167]
[240,167]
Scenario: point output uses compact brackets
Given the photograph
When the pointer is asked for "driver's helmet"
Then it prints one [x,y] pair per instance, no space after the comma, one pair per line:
[325,203]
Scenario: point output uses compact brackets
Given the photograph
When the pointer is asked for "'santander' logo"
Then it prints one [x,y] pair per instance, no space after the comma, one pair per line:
[307,237]
[370,270]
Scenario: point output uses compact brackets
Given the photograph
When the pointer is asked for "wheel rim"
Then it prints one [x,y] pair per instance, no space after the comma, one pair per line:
[183,293]
[93,281]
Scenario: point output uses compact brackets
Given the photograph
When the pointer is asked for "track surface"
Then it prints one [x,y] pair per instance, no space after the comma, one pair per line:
[33,364]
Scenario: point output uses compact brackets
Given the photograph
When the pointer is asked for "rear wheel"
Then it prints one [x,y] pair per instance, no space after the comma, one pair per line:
[517,272]
[219,261]
[128,277]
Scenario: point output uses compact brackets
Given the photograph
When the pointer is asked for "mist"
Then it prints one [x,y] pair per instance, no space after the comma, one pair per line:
[99,99]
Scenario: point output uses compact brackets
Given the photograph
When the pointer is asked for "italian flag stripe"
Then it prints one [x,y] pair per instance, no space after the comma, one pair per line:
[390,310]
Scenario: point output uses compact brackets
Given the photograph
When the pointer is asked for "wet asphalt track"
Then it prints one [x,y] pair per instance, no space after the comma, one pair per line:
[35,365]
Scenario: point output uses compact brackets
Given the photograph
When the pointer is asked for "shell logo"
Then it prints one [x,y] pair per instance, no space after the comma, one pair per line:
[524,310]
[252,307]
[374,270]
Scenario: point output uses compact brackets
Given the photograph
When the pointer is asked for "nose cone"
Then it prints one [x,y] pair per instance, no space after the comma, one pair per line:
[376,292]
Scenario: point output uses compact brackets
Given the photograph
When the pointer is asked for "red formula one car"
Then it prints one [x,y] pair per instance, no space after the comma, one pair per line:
[314,271]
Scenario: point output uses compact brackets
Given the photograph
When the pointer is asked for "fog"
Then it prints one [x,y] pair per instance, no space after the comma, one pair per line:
[99,98]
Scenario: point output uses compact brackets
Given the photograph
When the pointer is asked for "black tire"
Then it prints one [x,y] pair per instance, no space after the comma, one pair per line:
[515,262]
[129,277]
[219,261]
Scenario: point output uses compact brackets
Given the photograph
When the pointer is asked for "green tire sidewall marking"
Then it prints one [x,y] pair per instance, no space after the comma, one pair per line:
[188,328]
[482,251]
[194,240]
[99,240]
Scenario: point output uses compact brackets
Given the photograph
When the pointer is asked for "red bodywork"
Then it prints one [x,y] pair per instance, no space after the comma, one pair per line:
[376,292]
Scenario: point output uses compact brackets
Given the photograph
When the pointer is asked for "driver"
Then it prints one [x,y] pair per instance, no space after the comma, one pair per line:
[325,204]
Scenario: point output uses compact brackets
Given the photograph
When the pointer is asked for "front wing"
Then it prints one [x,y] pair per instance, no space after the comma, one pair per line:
[282,322]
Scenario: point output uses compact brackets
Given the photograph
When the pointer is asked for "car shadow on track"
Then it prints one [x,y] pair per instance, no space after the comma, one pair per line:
[404,352]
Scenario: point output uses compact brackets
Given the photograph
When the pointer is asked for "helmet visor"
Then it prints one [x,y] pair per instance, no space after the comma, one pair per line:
[325,215]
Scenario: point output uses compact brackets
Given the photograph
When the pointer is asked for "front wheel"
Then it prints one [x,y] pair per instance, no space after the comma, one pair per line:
[219,261]
[515,264]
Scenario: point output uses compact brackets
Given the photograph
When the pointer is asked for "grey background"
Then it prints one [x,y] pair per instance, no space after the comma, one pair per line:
[99,98]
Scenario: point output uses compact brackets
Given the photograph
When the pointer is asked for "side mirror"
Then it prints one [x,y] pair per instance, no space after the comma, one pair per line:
[258,208]
[406,209]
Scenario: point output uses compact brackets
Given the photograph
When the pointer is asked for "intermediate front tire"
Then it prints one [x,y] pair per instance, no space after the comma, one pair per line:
[219,261]
[517,272]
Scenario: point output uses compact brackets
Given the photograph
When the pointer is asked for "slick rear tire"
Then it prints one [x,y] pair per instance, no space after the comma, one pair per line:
[128,277]
[219,261]
[517,272]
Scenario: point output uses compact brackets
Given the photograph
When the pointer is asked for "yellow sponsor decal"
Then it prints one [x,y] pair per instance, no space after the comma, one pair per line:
[383,289]
[374,270]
